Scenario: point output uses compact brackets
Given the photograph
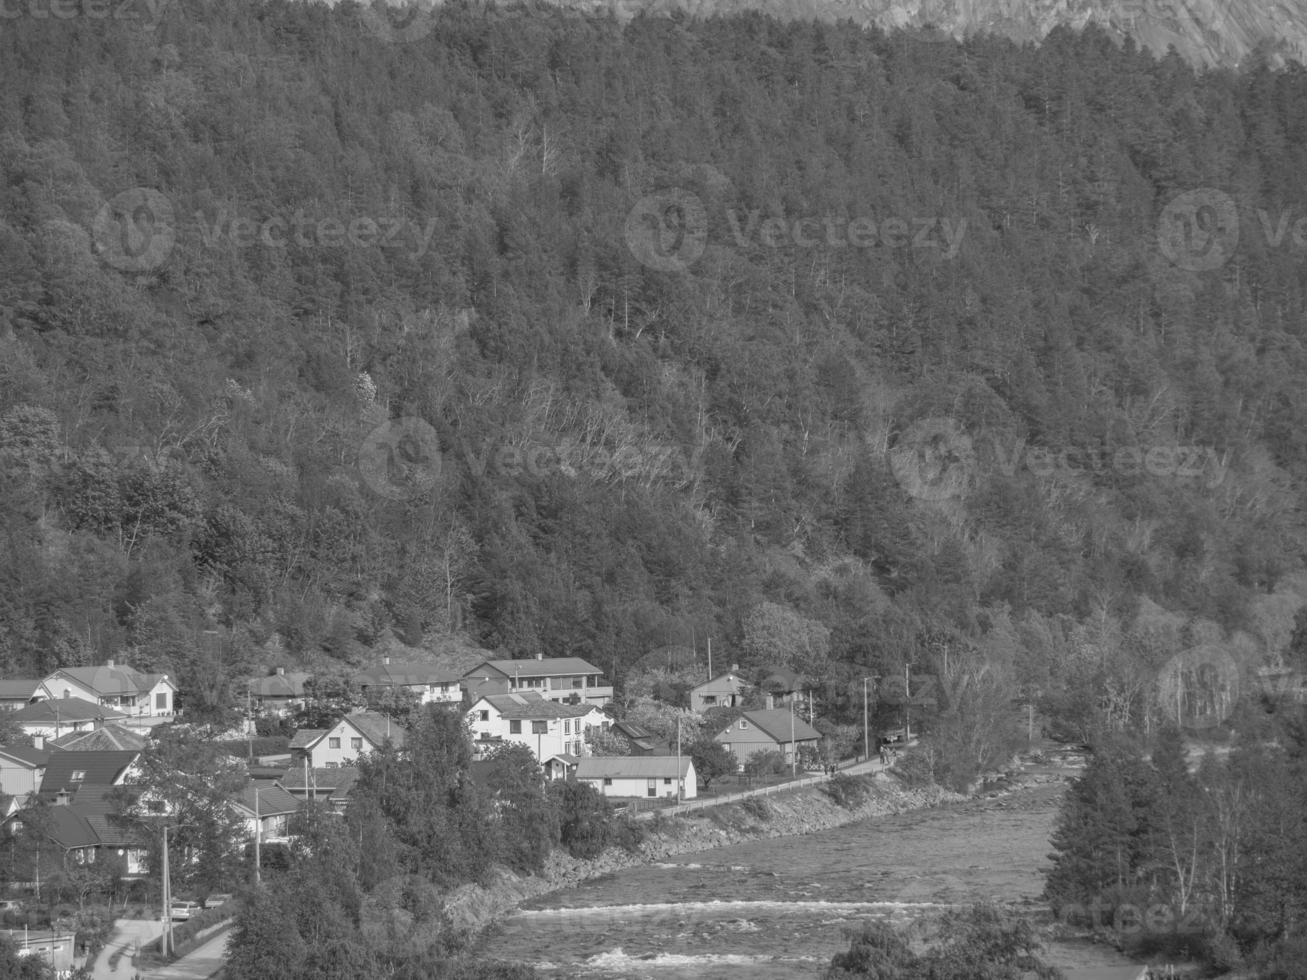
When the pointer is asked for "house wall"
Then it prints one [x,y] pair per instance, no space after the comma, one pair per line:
[561,688]
[744,742]
[639,786]
[64,687]
[723,691]
[18,780]
[324,756]
[50,730]
[562,736]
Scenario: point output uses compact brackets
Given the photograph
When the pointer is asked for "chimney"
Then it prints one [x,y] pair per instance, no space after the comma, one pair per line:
[108,663]
[38,742]
[281,671]
[771,702]
[62,798]
[385,661]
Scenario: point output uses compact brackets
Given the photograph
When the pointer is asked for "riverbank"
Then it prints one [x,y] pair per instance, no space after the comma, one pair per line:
[474,907]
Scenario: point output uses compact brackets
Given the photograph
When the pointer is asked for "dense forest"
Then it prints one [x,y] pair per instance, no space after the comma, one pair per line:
[344,229]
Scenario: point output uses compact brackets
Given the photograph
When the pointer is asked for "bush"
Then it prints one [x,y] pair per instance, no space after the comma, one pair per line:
[766,764]
[756,807]
[184,933]
[847,791]
[915,768]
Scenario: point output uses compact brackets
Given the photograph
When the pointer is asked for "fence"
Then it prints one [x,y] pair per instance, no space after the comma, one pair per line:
[690,805]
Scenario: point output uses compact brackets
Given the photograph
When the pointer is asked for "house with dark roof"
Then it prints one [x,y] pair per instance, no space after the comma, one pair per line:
[91,834]
[427,682]
[21,770]
[640,739]
[547,728]
[723,691]
[280,693]
[645,777]
[54,717]
[553,678]
[331,786]
[147,698]
[106,738]
[349,739]
[267,809]
[769,730]
[16,693]
[82,776]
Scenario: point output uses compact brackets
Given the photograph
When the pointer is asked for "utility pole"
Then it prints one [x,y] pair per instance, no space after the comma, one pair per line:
[866,729]
[680,786]
[907,699]
[793,755]
[258,839]
[167,899]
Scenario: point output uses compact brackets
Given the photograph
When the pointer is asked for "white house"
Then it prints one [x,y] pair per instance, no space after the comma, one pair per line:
[348,740]
[553,678]
[279,693]
[643,776]
[15,693]
[58,716]
[547,728]
[151,697]
[723,691]
[267,809]
[21,770]
[430,684]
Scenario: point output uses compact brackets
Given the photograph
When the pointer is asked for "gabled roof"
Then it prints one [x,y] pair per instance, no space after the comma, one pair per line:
[113,681]
[729,681]
[407,675]
[73,825]
[307,737]
[633,767]
[63,710]
[273,801]
[531,706]
[25,755]
[290,685]
[548,667]
[18,690]
[783,680]
[339,781]
[377,727]
[631,730]
[775,723]
[106,738]
[98,768]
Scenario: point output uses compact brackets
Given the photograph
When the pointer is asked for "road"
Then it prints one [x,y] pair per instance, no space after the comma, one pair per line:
[199,964]
[128,936]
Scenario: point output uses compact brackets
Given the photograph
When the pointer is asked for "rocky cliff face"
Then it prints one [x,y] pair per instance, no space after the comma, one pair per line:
[1204,32]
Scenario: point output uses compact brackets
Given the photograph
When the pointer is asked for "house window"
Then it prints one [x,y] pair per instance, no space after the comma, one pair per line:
[577,682]
[356,743]
[667,780]
[78,775]
[710,699]
[608,781]
[161,701]
[485,715]
[652,788]
[567,726]
[539,728]
[333,743]
[515,727]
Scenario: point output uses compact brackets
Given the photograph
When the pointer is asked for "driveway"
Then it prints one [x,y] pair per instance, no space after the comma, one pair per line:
[128,936]
[199,964]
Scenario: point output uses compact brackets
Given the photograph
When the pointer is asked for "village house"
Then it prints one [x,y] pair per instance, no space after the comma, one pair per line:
[645,776]
[267,810]
[640,739]
[428,683]
[21,770]
[349,739]
[59,716]
[330,786]
[104,738]
[278,694]
[85,776]
[723,691]
[15,694]
[144,698]
[55,948]
[772,730]
[89,833]
[547,728]
[554,679]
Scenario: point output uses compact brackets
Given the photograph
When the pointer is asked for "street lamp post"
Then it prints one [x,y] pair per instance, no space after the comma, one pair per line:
[793,755]
[167,899]
[866,728]
[258,840]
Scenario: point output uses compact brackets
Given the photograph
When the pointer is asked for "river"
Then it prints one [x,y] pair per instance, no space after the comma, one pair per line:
[779,909]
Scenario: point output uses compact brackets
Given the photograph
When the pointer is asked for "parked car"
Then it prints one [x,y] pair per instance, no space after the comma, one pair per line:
[184,910]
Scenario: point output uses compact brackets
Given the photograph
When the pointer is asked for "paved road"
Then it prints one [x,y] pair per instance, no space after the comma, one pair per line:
[128,936]
[199,964]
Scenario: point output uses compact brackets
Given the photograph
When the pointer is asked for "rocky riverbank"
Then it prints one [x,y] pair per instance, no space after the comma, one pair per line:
[474,907]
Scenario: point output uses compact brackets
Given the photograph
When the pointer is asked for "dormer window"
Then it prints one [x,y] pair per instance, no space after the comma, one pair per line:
[743,724]
[78,775]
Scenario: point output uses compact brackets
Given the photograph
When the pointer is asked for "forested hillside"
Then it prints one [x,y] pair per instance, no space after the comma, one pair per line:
[636,453]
